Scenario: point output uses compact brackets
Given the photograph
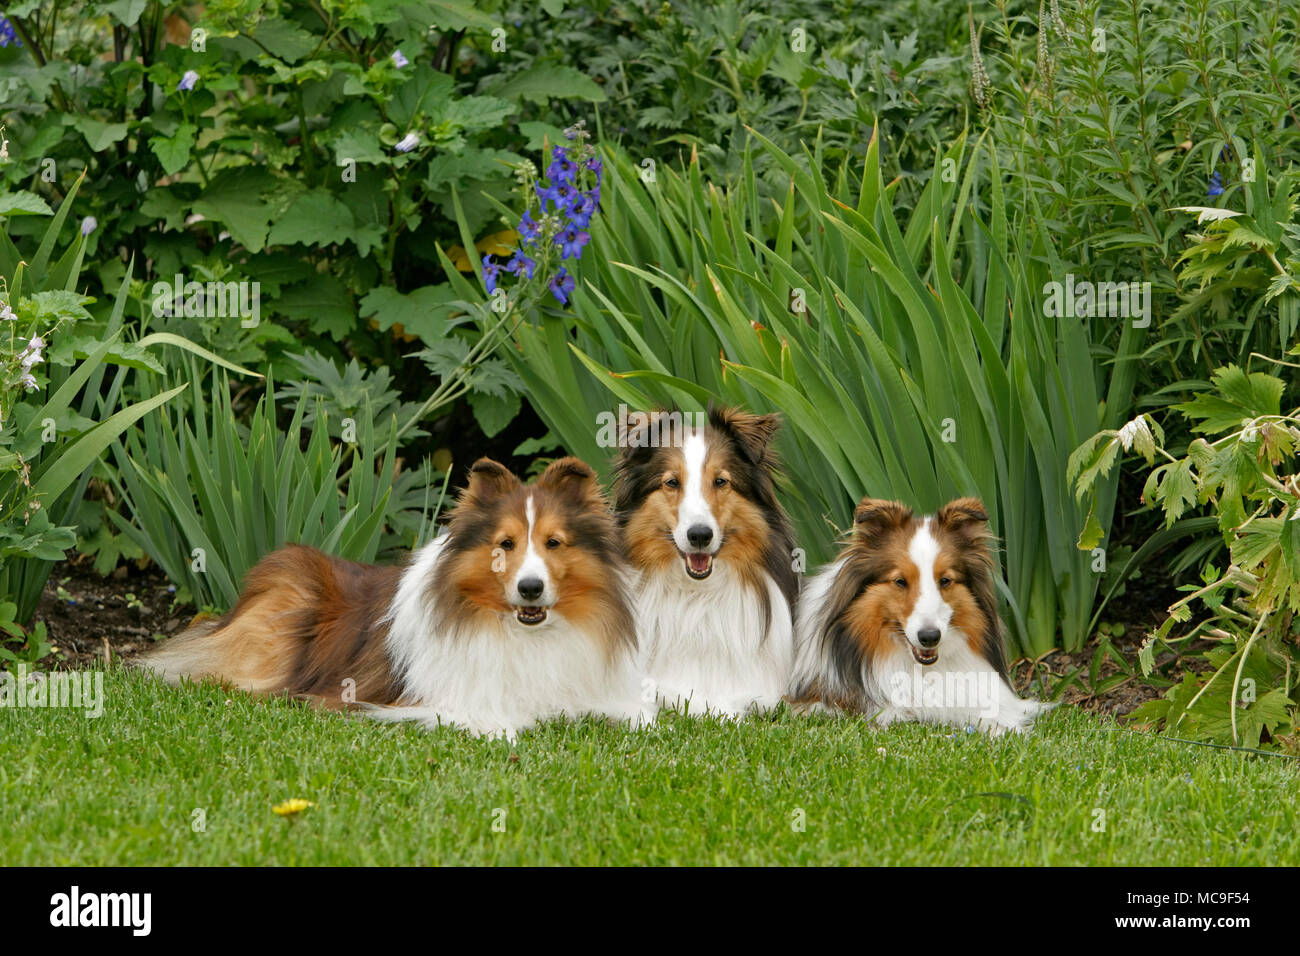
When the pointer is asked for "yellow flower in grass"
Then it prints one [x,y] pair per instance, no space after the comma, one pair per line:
[292,807]
[498,244]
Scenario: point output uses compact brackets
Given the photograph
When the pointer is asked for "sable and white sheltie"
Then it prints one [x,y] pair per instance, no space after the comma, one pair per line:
[903,625]
[712,551]
[516,613]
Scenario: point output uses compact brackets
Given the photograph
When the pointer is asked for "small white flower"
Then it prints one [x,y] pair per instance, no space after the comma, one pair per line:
[7,314]
[89,225]
[29,380]
[398,60]
[407,143]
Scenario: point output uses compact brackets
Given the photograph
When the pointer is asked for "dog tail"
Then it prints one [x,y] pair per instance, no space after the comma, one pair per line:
[259,645]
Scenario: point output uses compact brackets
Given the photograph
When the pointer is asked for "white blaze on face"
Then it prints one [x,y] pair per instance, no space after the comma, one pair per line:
[693,508]
[533,566]
[930,609]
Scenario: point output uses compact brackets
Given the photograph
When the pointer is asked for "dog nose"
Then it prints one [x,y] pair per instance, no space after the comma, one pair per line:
[928,636]
[530,589]
[699,535]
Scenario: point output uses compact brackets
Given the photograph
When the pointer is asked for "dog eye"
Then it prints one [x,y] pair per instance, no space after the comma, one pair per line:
[901,582]
[671,483]
[507,544]
[719,482]
[944,582]
[552,543]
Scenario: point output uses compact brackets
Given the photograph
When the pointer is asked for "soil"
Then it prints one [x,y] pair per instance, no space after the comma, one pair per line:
[89,617]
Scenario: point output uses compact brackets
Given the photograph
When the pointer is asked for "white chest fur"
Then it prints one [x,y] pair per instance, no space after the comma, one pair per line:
[708,645]
[502,678]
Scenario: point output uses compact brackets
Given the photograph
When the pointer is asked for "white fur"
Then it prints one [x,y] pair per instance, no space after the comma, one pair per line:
[533,566]
[502,679]
[694,509]
[930,609]
[703,645]
[960,689]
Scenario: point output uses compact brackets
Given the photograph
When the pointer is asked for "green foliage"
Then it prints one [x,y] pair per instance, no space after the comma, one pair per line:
[693,77]
[1116,118]
[1244,473]
[1257,254]
[53,426]
[207,497]
[310,148]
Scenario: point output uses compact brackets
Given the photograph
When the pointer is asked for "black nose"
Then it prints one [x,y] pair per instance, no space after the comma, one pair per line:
[699,535]
[928,636]
[530,589]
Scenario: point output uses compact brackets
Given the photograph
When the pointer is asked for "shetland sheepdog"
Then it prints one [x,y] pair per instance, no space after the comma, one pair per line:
[903,625]
[713,555]
[516,613]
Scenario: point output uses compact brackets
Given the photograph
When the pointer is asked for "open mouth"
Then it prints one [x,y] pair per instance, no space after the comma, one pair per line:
[699,566]
[925,656]
[530,615]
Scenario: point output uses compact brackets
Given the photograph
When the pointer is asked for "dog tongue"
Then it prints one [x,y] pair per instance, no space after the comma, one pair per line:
[699,562]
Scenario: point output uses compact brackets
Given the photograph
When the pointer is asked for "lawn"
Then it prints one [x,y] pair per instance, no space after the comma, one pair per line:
[124,788]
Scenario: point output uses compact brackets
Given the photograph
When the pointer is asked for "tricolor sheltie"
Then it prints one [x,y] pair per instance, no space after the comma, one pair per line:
[712,552]
[516,613]
[903,625]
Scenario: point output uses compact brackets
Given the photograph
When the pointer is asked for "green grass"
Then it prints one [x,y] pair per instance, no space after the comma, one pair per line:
[121,789]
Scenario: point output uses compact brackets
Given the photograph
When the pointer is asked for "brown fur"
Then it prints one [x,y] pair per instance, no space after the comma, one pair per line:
[877,587]
[305,623]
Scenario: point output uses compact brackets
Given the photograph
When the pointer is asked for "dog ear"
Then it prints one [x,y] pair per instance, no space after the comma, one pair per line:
[642,432]
[874,517]
[752,433]
[572,476]
[489,480]
[964,514]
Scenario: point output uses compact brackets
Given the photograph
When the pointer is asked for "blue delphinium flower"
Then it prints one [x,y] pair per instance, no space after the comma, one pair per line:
[521,265]
[528,228]
[490,272]
[582,207]
[7,34]
[571,239]
[561,286]
[1216,185]
[558,195]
